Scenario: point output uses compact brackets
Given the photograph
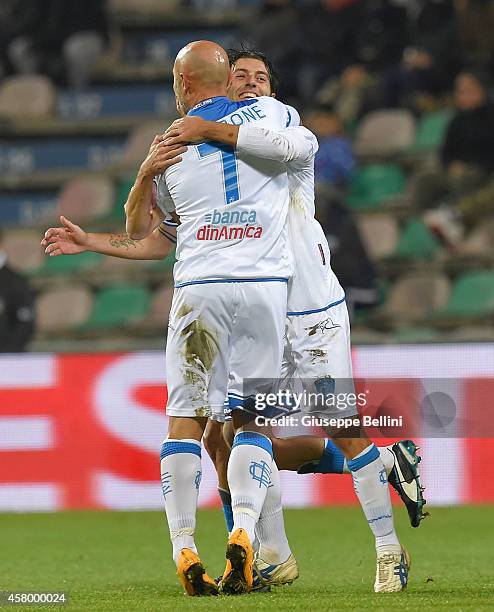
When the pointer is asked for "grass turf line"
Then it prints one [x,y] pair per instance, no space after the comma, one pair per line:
[122,561]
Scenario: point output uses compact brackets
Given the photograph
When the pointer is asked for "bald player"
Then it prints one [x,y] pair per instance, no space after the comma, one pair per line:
[292,452]
[227,317]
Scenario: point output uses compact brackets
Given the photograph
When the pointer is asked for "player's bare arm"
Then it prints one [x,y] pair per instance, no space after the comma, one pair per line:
[71,239]
[192,130]
[142,216]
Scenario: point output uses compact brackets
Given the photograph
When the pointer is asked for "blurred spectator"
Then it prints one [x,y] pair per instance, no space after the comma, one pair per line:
[335,162]
[61,38]
[382,35]
[16,17]
[16,308]
[475,24]
[469,142]
[351,94]
[467,158]
[275,29]
[329,42]
[349,258]
[429,61]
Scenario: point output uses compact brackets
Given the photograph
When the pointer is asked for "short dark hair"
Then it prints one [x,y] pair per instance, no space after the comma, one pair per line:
[248,53]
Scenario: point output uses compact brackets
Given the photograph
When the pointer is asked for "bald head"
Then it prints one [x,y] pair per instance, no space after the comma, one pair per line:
[201,70]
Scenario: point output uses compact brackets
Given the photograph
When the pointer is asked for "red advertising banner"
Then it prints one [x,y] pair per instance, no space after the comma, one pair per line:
[84,431]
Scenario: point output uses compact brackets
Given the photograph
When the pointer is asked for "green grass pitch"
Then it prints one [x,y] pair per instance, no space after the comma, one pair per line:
[121,561]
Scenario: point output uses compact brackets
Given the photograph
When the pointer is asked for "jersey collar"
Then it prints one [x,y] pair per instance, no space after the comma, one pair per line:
[218,107]
[202,107]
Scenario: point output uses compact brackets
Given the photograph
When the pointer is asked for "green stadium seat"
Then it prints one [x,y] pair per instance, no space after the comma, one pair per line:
[122,193]
[119,305]
[70,264]
[431,130]
[417,241]
[165,265]
[375,183]
[472,296]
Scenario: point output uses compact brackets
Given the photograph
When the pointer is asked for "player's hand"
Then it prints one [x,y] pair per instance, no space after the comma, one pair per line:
[186,130]
[67,240]
[161,156]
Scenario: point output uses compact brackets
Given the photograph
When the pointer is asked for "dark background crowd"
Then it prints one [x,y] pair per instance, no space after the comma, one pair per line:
[341,62]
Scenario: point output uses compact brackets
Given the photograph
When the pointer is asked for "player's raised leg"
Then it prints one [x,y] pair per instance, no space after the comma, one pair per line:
[322,456]
[327,335]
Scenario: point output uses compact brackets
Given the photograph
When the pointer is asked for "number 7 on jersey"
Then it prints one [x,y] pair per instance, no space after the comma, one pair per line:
[229,167]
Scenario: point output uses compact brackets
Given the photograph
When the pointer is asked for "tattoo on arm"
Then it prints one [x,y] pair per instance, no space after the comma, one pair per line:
[122,241]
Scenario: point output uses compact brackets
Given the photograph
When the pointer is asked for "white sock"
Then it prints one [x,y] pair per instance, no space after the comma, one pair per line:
[180,479]
[249,473]
[270,529]
[371,486]
[387,458]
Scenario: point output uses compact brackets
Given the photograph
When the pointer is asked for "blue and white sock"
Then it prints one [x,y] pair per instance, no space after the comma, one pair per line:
[270,529]
[226,502]
[333,461]
[249,474]
[371,486]
[180,478]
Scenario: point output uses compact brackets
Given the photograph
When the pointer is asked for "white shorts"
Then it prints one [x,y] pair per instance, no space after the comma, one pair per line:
[223,336]
[317,358]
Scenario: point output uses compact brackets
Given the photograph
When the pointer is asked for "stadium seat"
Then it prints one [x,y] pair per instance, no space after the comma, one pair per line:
[384,133]
[86,198]
[161,302]
[27,97]
[479,241]
[417,241]
[138,143]
[472,296]
[431,130]
[374,183]
[414,297]
[119,305]
[70,264]
[24,250]
[380,234]
[63,308]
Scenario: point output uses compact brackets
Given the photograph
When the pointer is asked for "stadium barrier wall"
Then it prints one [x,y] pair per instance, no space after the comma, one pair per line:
[84,431]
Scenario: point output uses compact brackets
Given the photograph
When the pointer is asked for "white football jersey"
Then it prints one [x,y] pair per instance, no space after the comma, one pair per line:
[232,206]
[314,286]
